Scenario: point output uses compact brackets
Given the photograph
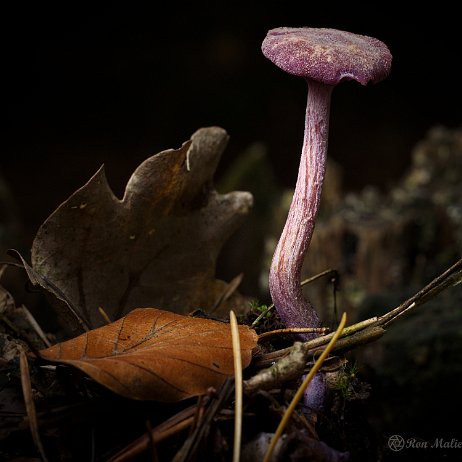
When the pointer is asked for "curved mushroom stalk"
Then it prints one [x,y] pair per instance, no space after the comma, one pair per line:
[285,273]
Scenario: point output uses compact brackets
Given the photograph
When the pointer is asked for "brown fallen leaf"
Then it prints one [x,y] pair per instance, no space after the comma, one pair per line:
[157,246]
[152,354]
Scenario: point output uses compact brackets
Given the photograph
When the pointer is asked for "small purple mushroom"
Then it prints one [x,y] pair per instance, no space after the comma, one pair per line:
[324,57]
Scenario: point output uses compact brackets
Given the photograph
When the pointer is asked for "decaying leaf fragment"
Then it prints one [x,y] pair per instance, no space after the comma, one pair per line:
[152,354]
[156,247]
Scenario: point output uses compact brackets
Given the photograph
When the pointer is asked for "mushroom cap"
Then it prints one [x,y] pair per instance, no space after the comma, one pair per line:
[327,55]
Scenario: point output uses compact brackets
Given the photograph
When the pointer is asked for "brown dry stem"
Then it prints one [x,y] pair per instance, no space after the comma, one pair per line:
[29,403]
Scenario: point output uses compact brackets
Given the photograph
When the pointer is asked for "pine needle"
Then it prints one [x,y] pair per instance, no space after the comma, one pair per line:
[104,315]
[29,402]
[237,386]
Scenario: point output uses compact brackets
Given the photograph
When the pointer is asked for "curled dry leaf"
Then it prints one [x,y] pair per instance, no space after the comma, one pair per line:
[152,354]
[156,247]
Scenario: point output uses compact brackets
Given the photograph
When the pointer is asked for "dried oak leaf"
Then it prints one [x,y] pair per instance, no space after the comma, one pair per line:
[156,247]
[152,354]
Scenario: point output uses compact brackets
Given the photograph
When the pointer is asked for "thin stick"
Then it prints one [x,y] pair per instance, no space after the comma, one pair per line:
[197,414]
[292,330]
[451,277]
[262,315]
[237,386]
[29,402]
[159,433]
[328,272]
[303,387]
[229,290]
[191,445]
[35,325]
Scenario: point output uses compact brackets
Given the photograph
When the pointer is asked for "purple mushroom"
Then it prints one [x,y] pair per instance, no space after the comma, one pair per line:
[324,57]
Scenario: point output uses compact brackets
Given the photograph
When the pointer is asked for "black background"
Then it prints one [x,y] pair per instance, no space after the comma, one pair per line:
[115,84]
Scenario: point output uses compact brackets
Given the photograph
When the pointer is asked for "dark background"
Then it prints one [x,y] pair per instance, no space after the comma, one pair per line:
[115,84]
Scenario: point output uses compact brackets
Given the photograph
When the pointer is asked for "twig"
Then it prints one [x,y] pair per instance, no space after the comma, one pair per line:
[198,414]
[29,402]
[35,325]
[301,390]
[269,358]
[191,445]
[347,343]
[265,336]
[230,288]
[451,277]
[328,272]
[237,386]
[291,361]
[289,368]
[171,426]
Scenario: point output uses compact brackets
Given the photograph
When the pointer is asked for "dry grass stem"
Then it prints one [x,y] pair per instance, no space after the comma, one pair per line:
[30,406]
[237,387]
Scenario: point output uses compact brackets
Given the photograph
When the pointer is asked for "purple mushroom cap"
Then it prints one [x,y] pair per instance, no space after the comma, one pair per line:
[327,55]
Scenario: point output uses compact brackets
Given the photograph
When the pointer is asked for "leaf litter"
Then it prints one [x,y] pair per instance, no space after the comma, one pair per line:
[158,246]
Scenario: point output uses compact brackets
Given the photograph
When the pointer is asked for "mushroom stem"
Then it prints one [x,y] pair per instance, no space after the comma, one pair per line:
[285,273]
